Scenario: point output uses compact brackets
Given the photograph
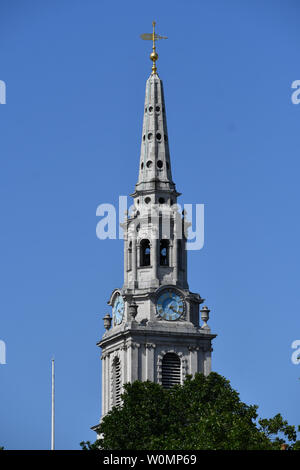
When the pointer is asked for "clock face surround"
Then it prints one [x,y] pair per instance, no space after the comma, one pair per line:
[170,305]
[118,310]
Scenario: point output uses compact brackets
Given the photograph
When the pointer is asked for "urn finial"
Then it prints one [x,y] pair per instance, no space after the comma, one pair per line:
[107,321]
[133,309]
[205,316]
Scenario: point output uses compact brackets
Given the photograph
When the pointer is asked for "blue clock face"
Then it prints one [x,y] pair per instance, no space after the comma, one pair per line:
[170,305]
[118,310]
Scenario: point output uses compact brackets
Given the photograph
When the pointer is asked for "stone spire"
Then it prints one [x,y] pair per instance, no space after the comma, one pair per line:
[155,165]
[155,176]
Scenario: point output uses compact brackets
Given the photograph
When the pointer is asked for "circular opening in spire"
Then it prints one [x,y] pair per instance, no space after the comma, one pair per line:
[166,138]
[149,164]
[142,166]
[145,110]
[144,137]
[161,200]
[159,164]
[150,136]
[157,109]
[147,200]
[158,136]
[150,109]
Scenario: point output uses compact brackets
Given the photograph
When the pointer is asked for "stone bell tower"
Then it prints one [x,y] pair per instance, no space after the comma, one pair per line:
[154,332]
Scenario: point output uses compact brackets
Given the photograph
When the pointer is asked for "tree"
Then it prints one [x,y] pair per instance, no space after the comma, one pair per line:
[203,413]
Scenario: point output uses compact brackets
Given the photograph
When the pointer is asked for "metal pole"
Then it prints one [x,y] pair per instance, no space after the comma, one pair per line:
[52,408]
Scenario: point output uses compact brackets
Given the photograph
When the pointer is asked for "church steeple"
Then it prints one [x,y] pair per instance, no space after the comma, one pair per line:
[155,165]
[155,332]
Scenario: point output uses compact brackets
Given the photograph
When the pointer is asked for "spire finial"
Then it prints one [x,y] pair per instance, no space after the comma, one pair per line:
[153,55]
[153,37]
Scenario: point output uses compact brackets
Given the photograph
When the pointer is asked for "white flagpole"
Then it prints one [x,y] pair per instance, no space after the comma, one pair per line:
[52,408]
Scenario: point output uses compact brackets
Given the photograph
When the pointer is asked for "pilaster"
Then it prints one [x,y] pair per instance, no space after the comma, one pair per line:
[150,350]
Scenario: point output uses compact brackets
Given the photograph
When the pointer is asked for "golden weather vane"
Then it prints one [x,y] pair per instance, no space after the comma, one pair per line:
[153,37]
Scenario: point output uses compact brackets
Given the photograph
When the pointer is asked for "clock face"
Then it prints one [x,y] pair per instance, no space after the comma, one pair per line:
[170,305]
[118,310]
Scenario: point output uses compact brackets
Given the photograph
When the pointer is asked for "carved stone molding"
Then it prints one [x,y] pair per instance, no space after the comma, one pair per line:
[132,344]
[104,355]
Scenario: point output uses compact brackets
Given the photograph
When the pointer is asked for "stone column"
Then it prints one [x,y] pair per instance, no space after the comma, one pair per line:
[207,361]
[128,361]
[134,261]
[184,261]
[154,256]
[193,362]
[123,365]
[171,245]
[125,261]
[132,361]
[201,359]
[107,383]
[103,384]
[175,257]
[138,253]
[150,349]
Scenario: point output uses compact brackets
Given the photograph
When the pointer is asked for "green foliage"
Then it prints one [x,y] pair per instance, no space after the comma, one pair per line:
[87,445]
[203,413]
[271,427]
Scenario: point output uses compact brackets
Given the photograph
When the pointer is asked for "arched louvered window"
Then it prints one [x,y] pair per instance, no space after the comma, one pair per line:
[171,370]
[164,253]
[116,382]
[145,253]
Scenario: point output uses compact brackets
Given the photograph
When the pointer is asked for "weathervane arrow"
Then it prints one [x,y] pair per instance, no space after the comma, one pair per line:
[153,37]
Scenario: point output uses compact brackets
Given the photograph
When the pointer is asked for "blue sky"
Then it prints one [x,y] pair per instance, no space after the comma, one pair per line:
[75,73]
